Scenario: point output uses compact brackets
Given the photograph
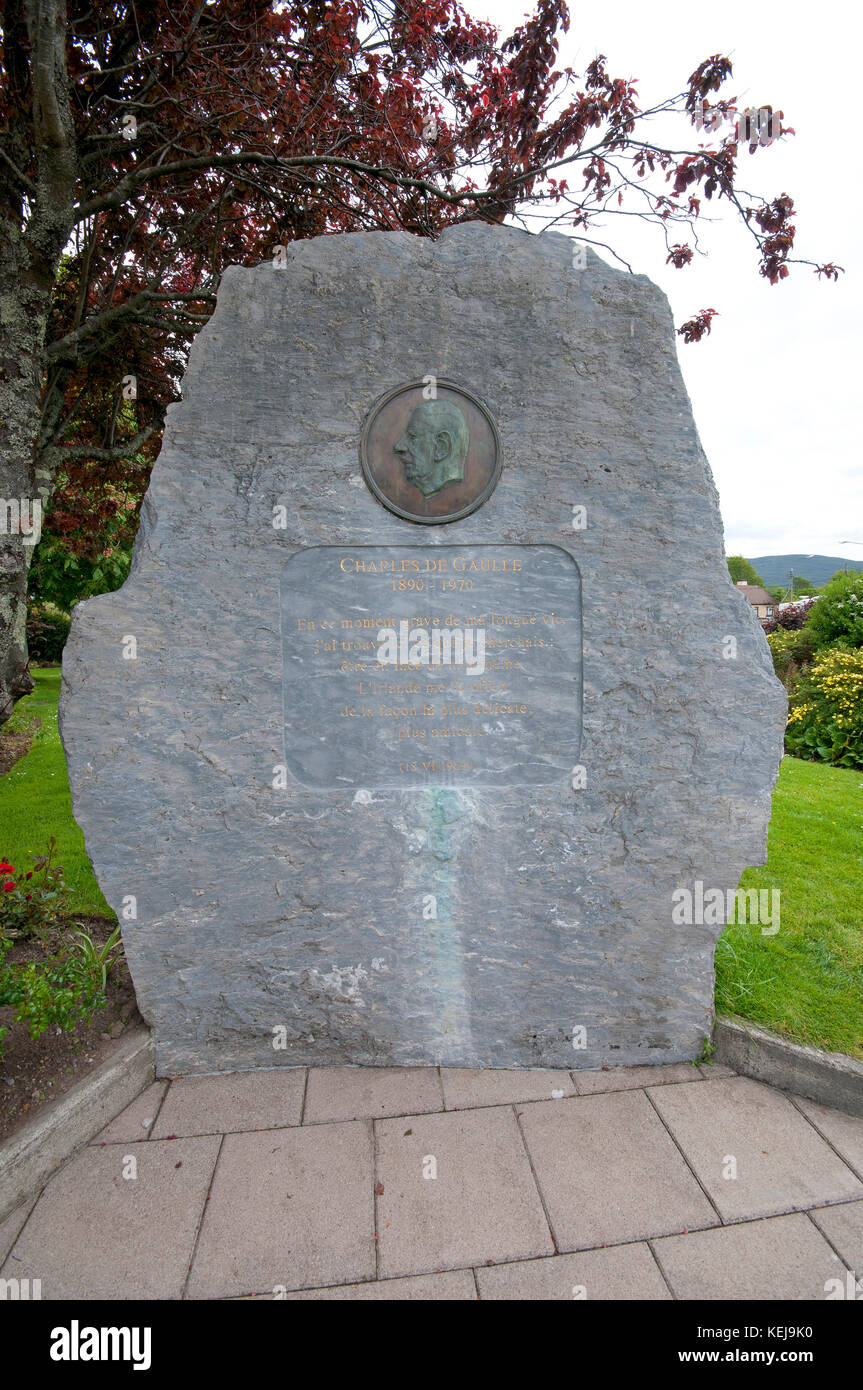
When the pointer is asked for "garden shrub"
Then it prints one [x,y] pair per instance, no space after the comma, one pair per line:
[69,985]
[826,719]
[838,613]
[791,617]
[790,651]
[47,630]
[63,991]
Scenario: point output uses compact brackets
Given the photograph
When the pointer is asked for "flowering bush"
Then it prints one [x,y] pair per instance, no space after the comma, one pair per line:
[792,617]
[5,944]
[790,650]
[838,614]
[826,719]
[31,901]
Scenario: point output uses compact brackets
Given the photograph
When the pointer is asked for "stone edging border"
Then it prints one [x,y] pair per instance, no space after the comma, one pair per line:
[830,1078]
[30,1155]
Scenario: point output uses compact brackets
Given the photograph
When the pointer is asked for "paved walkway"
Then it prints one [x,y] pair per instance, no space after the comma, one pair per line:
[649,1183]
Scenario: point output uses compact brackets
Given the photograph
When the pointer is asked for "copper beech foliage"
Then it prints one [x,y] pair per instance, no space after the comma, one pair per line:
[200,135]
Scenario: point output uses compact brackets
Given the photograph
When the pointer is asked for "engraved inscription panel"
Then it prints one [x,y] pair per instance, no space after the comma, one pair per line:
[431,665]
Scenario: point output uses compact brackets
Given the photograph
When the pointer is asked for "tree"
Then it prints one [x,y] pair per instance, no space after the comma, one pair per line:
[803,587]
[741,569]
[143,147]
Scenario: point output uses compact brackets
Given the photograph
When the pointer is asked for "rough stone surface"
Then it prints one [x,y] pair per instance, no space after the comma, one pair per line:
[259,906]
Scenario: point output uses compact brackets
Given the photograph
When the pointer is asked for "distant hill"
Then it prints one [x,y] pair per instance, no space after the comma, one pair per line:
[816,568]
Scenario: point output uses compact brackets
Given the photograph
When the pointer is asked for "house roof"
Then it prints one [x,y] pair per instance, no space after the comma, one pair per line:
[804,601]
[754,593]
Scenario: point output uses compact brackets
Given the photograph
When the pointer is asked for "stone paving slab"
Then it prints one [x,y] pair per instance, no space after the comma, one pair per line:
[482,1205]
[136,1122]
[233,1103]
[620,1272]
[12,1225]
[294,1201]
[783,1257]
[609,1171]
[589,1083]
[360,1093]
[843,1227]
[450,1286]
[844,1132]
[291,1208]
[782,1163]
[465,1089]
[97,1234]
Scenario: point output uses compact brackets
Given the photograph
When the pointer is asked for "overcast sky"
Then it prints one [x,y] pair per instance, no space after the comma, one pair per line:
[776,386]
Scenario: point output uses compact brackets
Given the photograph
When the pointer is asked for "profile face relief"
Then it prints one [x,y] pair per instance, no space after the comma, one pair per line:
[433,446]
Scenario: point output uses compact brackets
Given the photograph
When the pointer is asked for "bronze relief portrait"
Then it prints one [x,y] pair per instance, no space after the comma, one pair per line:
[430,452]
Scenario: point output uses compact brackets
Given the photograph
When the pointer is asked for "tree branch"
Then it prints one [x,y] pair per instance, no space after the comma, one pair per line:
[197,163]
[21,177]
[119,451]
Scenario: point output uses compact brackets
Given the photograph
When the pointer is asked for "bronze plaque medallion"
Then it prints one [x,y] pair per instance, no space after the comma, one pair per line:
[430,453]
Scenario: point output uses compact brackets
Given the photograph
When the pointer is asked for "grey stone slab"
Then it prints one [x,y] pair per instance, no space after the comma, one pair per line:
[609,1172]
[844,1132]
[588,1083]
[449,1286]
[783,1258]
[288,1209]
[135,1122]
[843,1227]
[446,923]
[97,1234]
[738,1126]
[232,1103]
[358,1093]
[481,1205]
[621,1272]
[465,1088]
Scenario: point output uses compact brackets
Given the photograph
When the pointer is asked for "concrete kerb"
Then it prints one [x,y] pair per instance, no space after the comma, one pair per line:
[30,1155]
[830,1078]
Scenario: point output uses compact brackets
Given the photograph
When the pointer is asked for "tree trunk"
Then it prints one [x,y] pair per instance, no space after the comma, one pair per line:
[30,249]
[24,308]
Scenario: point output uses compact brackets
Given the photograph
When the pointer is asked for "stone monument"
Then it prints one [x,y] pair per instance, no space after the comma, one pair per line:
[429,691]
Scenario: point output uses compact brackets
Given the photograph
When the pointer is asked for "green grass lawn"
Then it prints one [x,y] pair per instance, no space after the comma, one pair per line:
[805,982]
[35,801]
